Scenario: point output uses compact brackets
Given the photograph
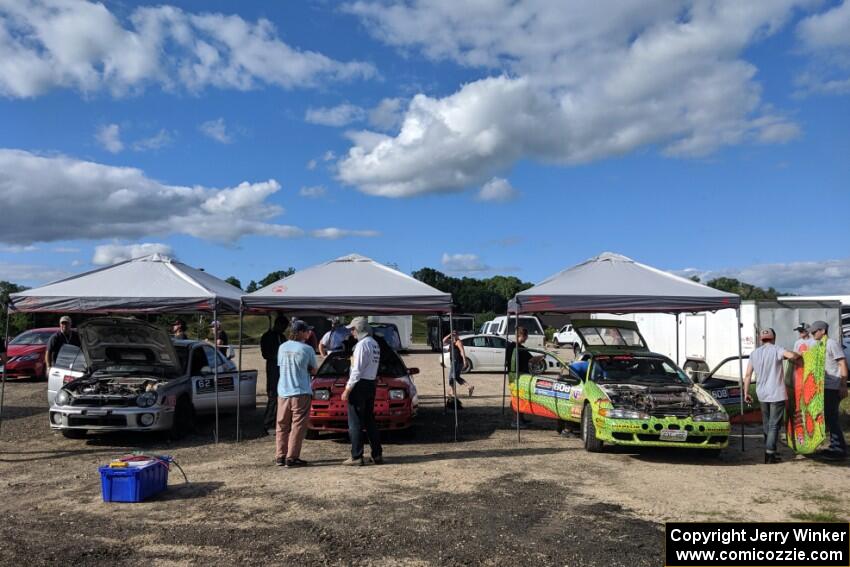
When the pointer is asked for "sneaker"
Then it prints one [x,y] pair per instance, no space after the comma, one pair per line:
[377,460]
[296,463]
[471,389]
[352,462]
[280,461]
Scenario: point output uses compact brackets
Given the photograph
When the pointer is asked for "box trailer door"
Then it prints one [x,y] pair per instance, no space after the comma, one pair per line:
[695,337]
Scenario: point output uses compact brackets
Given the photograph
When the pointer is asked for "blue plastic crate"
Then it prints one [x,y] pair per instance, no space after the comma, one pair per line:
[133,484]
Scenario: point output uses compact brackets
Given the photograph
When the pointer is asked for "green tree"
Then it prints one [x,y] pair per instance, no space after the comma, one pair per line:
[274,276]
[473,295]
[252,287]
[744,289]
[232,280]
[18,321]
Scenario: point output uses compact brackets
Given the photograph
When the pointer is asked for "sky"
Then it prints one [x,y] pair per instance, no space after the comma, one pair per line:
[477,138]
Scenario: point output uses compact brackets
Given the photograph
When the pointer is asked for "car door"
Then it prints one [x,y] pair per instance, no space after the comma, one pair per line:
[202,362]
[70,364]
[495,354]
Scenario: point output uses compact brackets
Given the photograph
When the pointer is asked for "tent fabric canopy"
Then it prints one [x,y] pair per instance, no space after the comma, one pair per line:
[616,284]
[150,284]
[350,284]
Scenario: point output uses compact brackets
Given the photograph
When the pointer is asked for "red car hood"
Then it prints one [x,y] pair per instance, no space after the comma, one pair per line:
[21,350]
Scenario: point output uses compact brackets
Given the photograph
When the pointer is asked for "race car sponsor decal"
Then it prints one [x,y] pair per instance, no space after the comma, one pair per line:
[575,411]
[576,394]
[553,389]
[543,385]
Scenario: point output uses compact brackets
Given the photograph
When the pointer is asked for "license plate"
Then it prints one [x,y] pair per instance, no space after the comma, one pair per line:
[673,435]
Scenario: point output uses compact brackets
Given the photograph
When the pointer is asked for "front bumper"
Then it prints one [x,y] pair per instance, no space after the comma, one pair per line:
[390,415]
[106,418]
[647,432]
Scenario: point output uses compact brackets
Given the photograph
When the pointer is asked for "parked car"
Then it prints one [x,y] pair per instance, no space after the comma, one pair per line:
[621,393]
[396,400]
[536,337]
[135,378]
[388,332]
[484,353]
[488,328]
[26,354]
[567,336]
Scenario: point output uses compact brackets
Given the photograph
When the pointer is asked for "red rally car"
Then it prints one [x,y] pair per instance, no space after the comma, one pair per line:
[396,401]
[26,354]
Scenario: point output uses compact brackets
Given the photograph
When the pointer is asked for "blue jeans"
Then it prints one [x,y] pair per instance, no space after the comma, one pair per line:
[361,414]
[772,417]
[833,422]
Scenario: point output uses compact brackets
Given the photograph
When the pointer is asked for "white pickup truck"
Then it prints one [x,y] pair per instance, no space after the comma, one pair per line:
[566,336]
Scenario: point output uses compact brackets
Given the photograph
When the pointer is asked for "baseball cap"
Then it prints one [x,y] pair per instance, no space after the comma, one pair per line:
[801,327]
[299,326]
[819,326]
[359,324]
[767,335]
[64,319]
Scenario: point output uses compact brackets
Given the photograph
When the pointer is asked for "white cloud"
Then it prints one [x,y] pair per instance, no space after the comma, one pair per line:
[498,190]
[47,44]
[17,249]
[108,254]
[66,250]
[311,165]
[829,29]
[314,192]
[217,130]
[567,86]
[30,274]
[337,116]
[387,115]
[332,233]
[826,36]
[463,263]
[109,136]
[159,140]
[39,195]
[329,156]
[827,277]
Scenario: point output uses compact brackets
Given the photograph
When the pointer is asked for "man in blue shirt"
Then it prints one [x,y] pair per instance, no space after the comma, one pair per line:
[297,362]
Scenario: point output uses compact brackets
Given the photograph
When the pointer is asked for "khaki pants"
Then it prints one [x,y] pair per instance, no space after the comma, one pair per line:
[293,414]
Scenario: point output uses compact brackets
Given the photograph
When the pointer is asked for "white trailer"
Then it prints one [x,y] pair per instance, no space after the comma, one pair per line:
[404,324]
[706,339]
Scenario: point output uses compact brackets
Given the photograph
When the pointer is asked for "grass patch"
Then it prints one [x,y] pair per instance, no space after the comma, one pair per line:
[821,498]
[826,515]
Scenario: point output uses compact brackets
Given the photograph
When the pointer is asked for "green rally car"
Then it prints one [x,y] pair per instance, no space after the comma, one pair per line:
[619,392]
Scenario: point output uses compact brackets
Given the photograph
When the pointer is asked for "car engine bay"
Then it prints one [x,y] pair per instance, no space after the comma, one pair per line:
[661,400]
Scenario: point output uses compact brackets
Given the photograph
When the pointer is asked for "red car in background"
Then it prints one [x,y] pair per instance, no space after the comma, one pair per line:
[26,354]
[396,400]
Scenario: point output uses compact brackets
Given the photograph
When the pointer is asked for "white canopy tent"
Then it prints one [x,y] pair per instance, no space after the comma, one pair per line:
[612,283]
[350,284]
[150,284]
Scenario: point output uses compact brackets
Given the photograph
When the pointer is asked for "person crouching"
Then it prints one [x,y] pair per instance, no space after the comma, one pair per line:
[297,361]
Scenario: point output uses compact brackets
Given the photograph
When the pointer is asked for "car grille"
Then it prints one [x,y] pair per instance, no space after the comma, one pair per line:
[672,412]
[94,420]
[100,401]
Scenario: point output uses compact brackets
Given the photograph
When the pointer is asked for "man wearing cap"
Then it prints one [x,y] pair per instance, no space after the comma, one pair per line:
[766,363]
[334,340]
[834,388]
[269,345]
[178,330]
[219,337]
[297,361]
[360,393]
[64,336]
[805,338]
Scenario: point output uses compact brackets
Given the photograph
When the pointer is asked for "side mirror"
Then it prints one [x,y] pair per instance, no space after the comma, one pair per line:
[413,371]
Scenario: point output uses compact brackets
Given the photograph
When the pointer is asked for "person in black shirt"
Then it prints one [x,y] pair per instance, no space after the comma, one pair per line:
[269,344]
[219,337]
[178,329]
[64,336]
[525,356]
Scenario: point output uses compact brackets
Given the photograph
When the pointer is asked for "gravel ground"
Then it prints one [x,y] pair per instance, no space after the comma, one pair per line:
[486,499]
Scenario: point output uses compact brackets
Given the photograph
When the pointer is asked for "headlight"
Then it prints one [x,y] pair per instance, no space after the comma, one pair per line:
[618,413]
[396,394]
[63,398]
[713,416]
[146,399]
[322,394]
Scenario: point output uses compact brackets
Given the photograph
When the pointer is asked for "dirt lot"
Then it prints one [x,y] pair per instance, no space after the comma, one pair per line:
[484,500]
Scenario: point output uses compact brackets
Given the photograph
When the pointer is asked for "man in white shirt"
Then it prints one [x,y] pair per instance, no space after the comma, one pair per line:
[805,338]
[766,362]
[360,393]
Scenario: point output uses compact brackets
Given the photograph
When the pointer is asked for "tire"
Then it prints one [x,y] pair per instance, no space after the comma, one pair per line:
[74,433]
[695,369]
[560,426]
[184,419]
[468,367]
[556,342]
[588,431]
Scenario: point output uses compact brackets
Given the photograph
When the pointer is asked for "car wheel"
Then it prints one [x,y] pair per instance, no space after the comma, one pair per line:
[695,369]
[556,342]
[588,431]
[74,433]
[468,366]
[184,418]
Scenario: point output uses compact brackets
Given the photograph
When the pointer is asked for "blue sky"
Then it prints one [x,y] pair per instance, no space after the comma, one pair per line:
[474,138]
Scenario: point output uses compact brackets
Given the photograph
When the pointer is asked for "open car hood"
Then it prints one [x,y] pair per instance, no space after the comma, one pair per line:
[118,343]
[609,336]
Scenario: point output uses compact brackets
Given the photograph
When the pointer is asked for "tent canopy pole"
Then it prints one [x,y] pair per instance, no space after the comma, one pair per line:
[3,375]
[215,366]
[740,373]
[239,377]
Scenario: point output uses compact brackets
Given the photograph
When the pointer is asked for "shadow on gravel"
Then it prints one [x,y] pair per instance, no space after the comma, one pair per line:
[17,412]
[49,455]
[187,491]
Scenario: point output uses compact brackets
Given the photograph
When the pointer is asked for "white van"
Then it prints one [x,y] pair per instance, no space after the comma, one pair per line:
[488,328]
[536,337]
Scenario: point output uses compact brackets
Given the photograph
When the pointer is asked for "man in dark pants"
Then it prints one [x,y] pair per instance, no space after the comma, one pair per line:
[269,344]
[360,393]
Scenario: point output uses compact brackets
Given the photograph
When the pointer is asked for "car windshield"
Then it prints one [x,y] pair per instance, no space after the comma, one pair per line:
[389,334]
[338,364]
[32,338]
[637,369]
[611,336]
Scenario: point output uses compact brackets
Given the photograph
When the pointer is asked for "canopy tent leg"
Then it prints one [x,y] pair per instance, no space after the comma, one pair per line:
[505,369]
[676,358]
[516,368]
[3,375]
[239,377]
[442,362]
[215,367]
[740,373]
[452,361]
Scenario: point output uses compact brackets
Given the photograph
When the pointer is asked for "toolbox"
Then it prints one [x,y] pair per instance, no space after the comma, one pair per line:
[134,481]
